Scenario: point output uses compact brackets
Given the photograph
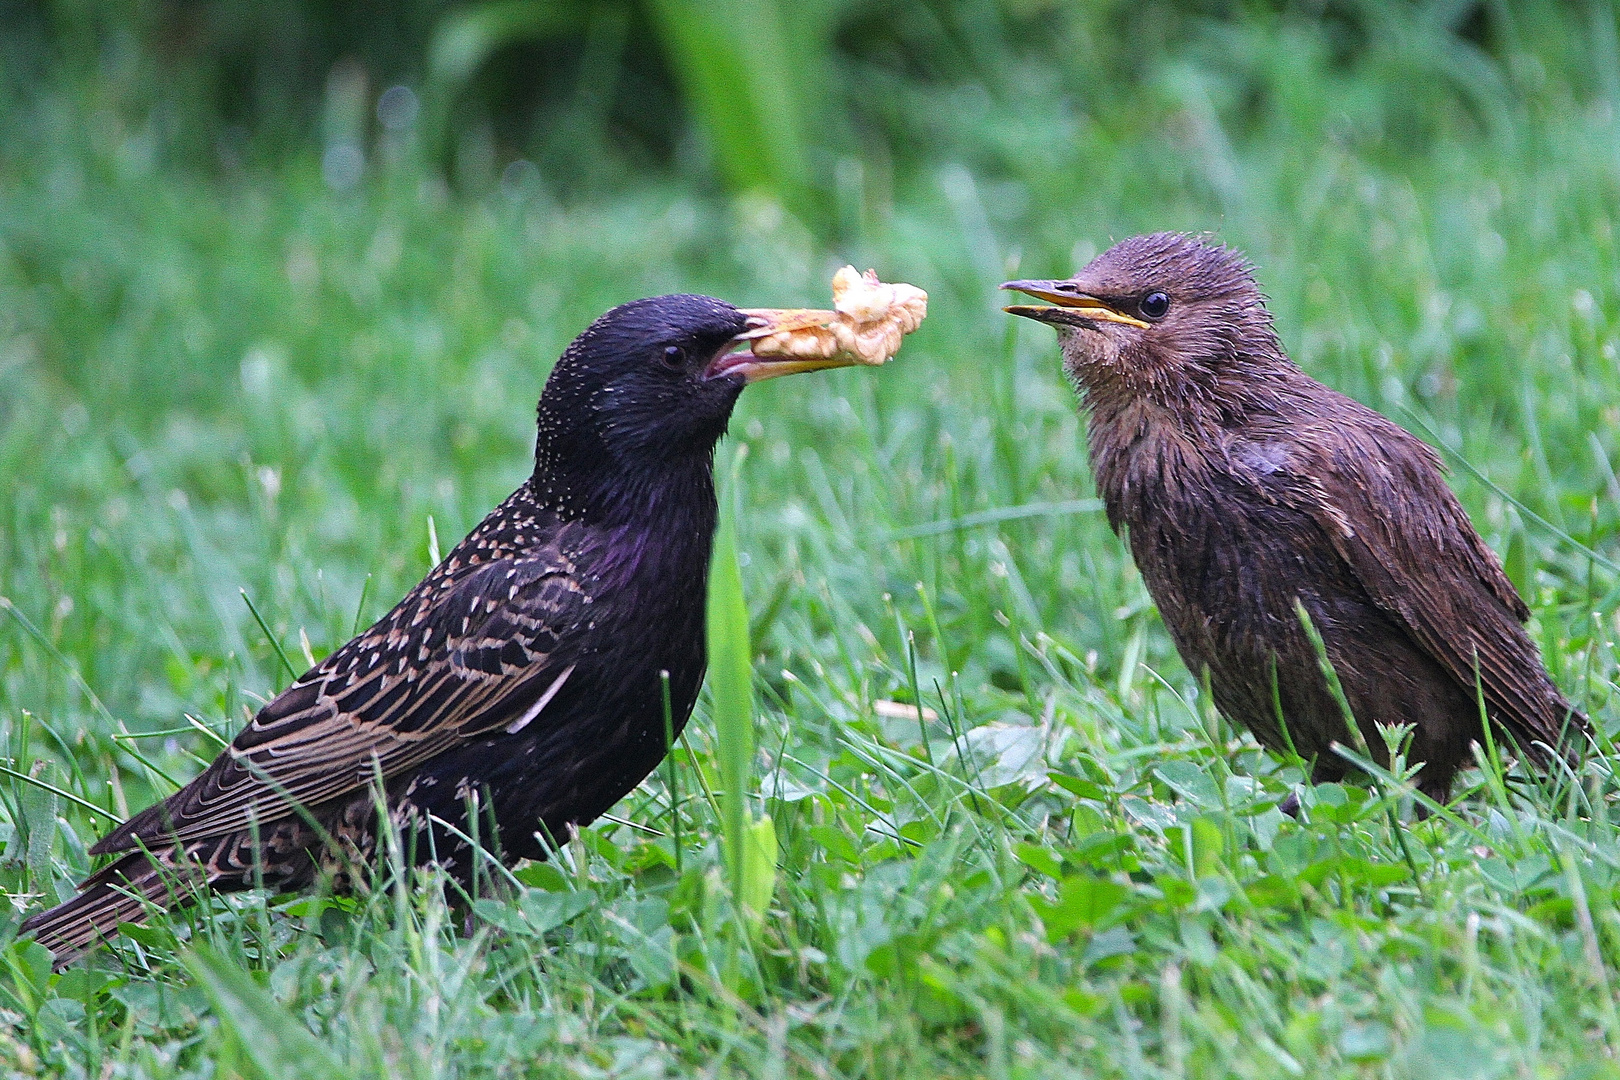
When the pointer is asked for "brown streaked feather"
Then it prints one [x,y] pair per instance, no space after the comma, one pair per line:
[284,855]
[118,893]
[460,656]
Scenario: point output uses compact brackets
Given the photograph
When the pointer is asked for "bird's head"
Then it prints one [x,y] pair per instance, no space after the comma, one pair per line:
[650,386]
[1164,315]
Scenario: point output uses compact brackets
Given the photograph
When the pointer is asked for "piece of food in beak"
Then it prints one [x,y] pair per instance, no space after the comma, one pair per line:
[868,319]
[874,315]
[792,334]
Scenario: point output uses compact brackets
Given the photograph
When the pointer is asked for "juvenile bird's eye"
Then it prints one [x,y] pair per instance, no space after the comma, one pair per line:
[674,357]
[1154,305]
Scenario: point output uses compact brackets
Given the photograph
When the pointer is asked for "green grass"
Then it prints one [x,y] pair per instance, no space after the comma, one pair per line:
[1069,865]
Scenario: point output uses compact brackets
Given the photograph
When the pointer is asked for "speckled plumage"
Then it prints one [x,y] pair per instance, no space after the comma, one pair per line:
[520,677]
[1247,488]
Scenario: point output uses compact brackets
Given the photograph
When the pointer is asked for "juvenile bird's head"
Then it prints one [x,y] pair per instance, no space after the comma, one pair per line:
[1164,316]
[643,394]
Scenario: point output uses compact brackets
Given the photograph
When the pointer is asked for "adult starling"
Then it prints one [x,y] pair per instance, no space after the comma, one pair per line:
[1248,488]
[520,679]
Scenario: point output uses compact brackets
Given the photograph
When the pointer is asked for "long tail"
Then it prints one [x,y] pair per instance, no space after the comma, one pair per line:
[120,893]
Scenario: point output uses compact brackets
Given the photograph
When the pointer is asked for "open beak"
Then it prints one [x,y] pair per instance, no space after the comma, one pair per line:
[1073,307]
[763,322]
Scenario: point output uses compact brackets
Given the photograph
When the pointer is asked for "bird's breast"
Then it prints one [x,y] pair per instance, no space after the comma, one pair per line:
[1223,560]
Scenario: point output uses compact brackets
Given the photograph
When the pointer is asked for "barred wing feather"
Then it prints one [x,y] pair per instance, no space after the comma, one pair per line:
[462,655]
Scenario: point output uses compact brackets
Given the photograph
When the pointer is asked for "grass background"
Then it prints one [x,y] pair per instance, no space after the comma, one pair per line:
[229,366]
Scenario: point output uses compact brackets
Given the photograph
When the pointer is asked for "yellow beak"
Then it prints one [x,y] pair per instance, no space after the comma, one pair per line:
[1072,306]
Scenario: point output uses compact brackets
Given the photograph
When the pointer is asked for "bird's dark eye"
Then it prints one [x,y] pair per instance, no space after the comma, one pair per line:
[674,357]
[1154,305]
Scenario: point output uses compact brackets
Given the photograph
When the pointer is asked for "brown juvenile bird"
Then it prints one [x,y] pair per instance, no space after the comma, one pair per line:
[1248,487]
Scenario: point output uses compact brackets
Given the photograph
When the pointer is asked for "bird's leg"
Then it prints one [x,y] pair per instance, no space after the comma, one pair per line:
[1431,784]
[1322,772]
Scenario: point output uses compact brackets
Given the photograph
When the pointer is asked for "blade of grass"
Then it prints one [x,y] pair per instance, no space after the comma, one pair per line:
[275,1040]
[59,793]
[1337,690]
[672,774]
[1502,493]
[742,72]
[731,675]
[95,701]
[292,673]
[996,516]
[360,608]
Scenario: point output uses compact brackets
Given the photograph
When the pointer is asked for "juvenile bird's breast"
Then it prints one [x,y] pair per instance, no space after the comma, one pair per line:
[1223,557]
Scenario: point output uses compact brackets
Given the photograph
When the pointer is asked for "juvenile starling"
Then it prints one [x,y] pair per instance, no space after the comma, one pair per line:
[1247,487]
[520,679]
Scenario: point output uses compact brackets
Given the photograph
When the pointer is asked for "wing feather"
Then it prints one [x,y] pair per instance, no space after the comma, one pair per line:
[1419,558]
[449,663]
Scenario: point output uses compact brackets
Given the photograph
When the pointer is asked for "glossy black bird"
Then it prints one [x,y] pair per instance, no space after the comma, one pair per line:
[521,676]
[1247,487]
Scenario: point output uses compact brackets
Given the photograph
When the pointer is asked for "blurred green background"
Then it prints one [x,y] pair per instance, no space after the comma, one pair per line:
[280,282]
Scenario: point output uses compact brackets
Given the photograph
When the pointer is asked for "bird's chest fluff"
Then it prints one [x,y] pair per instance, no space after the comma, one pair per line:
[1224,559]
[648,619]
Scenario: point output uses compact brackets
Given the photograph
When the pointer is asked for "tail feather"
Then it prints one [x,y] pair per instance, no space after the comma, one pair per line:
[120,893]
